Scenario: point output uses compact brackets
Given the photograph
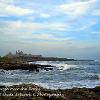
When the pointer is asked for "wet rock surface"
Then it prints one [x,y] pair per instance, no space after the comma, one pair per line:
[34,92]
[25,66]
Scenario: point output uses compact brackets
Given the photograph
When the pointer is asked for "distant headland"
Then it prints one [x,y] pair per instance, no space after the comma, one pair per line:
[30,57]
[20,60]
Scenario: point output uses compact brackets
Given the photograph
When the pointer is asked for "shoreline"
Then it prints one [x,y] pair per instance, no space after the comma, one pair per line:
[35,92]
[24,66]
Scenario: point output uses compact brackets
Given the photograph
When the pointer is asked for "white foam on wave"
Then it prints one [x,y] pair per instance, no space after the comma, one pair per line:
[59,85]
[60,66]
[9,83]
[42,62]
[69,85]
[88,79]
[64,66]
[19,83]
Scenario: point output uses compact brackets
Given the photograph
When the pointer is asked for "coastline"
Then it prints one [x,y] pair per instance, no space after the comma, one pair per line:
[24,66]
[34,92]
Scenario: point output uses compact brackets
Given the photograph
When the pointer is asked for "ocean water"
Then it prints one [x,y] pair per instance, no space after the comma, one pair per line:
[65,74]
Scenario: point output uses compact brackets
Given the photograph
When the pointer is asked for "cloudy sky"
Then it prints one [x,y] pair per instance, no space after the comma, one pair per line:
[62,28]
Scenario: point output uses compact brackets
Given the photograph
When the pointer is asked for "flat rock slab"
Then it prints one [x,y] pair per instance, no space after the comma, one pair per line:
[24,66]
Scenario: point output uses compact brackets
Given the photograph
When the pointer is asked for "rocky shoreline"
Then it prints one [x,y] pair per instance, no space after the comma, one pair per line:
[34,92]
[24,66]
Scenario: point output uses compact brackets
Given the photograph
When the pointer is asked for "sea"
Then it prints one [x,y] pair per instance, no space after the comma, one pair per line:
[65,74]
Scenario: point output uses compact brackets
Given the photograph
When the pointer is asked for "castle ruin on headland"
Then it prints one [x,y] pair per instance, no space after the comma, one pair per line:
[29,57]
[20,54]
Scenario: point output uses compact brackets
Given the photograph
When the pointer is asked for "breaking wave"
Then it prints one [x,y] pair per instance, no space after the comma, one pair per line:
[64,75]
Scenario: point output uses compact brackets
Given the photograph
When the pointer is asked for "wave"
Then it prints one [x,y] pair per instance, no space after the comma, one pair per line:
[65,66]
[92,77]
[74,68]
[59,65]
[64,75]
[9,83]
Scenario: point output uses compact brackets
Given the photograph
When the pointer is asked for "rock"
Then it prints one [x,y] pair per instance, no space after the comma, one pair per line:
[47,94]
[25,66]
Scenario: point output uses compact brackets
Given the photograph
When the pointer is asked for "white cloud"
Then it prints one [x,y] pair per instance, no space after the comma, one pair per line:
[37,26]
[44,15]
[7,1]
[46,36]
[73,8]
[25,31]
[8,9]
[76,9]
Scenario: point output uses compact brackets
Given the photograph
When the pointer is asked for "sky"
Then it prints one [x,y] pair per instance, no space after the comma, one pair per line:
[55,28]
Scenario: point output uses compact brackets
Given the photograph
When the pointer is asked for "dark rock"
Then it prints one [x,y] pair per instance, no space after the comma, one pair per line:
[66,94]
[25,66]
